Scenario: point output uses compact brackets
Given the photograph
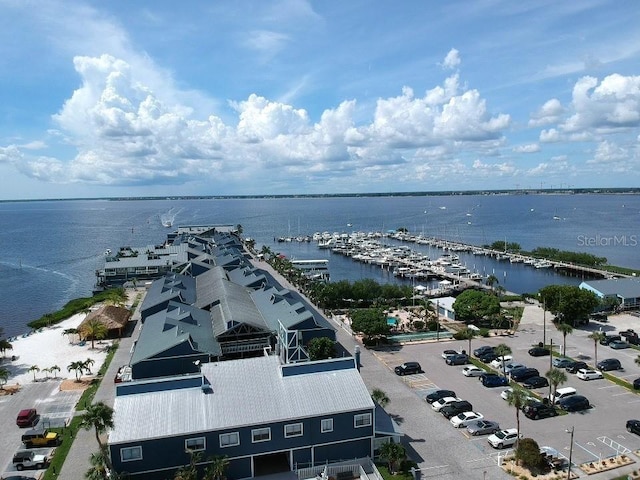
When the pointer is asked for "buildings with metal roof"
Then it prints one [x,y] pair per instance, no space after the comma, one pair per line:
[624,291]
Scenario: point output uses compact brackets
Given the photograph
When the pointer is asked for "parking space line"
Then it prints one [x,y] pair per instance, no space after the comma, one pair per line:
[586,450]
[620,394]
[610,442]
[608,386]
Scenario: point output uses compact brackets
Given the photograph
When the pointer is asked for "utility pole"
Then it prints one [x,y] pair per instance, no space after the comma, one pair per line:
[570,452]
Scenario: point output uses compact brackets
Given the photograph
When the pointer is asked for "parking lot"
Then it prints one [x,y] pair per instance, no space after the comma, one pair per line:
[54,407]
[598,432]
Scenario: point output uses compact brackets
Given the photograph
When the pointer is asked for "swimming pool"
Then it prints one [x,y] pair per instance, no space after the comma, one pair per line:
[414,337]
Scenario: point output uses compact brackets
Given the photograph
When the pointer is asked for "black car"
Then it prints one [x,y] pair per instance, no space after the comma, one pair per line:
[491,380]
[455,408]
[537,410]
[631,336]
[636,384]
[574,403]
[457,359]
[524,373]
[633,426]
[609,338]
[539,351]
[438,394]
[407,368]
[488,357]
[609,364]
[535,382]
[575,366]
[483,350]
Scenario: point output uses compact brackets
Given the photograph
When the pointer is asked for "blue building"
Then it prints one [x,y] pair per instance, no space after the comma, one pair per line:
[264,415]
[625,292]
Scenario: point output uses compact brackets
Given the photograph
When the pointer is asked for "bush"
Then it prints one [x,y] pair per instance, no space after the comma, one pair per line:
[418,325]
[484,332]
[528,453]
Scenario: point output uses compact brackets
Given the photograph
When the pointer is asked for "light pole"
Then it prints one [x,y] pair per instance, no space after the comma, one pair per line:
[570,452]
[544,323]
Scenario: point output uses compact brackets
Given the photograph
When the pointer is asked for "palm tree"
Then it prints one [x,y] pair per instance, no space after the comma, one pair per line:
[70,332]
[502,350]
[491,281]
[215,471]
[78,367]
[597,337]
[4,377]
[98,470]
[54,369]
[86,365]
[466,334]
[99,416]
[517,398]
[565,329]
[392,453]
[93,329]
[556,377]
[5,345]
[34,369]
[380,397]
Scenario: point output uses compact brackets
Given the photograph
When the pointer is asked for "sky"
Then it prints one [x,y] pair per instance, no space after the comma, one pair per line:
[257,97]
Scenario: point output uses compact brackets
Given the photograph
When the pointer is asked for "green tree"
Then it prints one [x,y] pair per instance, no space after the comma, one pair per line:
[565,329]
[556,377]
[321,348]
[78,367]
[491,281]
[70,332]
[93,329]
[4,346]
[466,334]
[380,397]
[98,469]
[473,305]
[517,399]
[502,350]
[99,416]
[87,364]
[217,467]
[35,369]
[597,337]
[190,471]
[54,369]
[528,453]
[569,303]
[370,322]
[392,453]
[4,377]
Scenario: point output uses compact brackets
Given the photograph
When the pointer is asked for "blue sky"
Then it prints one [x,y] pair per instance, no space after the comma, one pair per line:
[118,98]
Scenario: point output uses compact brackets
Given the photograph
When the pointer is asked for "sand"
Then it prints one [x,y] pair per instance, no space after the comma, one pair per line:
[49,347]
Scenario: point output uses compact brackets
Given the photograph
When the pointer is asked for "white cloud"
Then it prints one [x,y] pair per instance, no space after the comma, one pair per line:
[529,148]
[452,60]
[550,136]
[550,112]
[608,153]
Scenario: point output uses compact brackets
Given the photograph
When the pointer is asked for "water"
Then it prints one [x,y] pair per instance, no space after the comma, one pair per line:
[49,250]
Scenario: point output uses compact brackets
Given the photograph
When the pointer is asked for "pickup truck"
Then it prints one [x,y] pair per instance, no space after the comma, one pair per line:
[41,438]
[631,337]
[29,459]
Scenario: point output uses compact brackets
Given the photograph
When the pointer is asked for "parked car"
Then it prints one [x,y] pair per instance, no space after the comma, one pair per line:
[535,382]
[574,403]
[408,368]
[447,353]
[503,438]
[609,364]
[524,373]
[41,438]
[457,359]
[636,384]
[482,427]
[539,351]
[505,393]
[438,404]
[561,362]
[588,374]
[497,363]
[27,417]
[631,336]
[575,366]
[472,371]
[619,344]
[29,459]
[511,366]
[438,394]
[536,410]
[607,339]
[464,419]
[483,350]
[491,380]
[561,393]
[487,357]
[455,408]
[633,426]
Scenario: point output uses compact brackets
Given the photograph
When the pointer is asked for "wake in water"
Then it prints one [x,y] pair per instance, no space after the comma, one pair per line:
[168,218]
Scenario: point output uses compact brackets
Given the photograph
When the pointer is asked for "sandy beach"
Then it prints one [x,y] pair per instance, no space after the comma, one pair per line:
[49,347]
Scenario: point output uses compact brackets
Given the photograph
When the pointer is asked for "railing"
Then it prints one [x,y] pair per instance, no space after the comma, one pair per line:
[363,469]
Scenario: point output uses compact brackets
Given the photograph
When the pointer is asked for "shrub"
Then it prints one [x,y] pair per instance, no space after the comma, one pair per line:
[418,325]
[528,453]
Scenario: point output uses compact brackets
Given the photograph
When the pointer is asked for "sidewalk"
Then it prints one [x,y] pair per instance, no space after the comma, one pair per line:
[77,461]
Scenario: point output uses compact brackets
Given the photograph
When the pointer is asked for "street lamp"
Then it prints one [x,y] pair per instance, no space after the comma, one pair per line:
[544,323]
[570,452]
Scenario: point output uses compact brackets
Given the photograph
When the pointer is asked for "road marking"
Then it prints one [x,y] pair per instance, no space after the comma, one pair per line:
[608,386]
[586,450]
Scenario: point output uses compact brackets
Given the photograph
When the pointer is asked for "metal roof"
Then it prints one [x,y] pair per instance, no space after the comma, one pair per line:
[244,392]
[623,287]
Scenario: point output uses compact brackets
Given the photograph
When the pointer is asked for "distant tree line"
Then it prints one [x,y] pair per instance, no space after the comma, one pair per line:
[579,258]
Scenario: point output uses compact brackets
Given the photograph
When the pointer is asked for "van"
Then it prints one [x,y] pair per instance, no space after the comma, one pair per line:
[562,393]
[27,417]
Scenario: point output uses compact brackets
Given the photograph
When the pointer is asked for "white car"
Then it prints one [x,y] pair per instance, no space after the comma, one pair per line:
[505,393]
[588,374]
[464,419]
[497,363]
[472,371]
[513,366]
[438,404]
[447,353]
[503,438]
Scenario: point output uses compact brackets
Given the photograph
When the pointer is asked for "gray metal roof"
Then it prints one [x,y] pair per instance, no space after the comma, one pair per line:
[623,287]
[244,392]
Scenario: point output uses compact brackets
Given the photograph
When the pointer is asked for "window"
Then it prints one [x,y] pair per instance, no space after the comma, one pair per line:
[261,435]
[229,439]
[326,425]
[195,444]
[130,454]
[293,430]
[362,420]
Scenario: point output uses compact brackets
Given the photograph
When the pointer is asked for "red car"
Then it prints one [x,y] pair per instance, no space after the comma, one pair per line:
[27,417]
